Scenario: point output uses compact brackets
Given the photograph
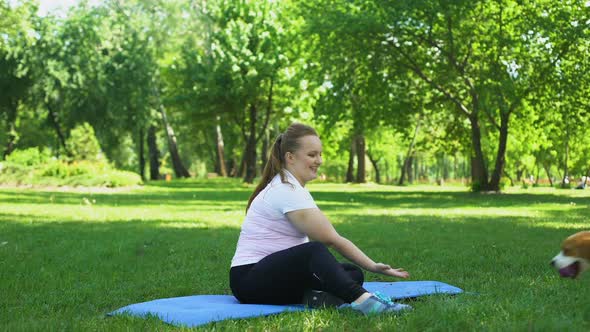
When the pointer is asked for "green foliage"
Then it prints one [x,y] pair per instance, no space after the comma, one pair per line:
[346,67]
[12,173]
[29,157]
[504,183]
[61,173]
[83,145]
[35,166]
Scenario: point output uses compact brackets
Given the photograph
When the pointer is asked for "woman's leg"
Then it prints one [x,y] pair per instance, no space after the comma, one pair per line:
[355,272]
[282,277]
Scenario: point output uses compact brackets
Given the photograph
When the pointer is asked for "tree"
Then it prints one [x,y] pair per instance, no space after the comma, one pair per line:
[235,73]
[16,22]
[474,54]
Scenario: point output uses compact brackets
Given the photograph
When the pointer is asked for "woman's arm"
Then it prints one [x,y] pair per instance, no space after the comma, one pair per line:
[315,224]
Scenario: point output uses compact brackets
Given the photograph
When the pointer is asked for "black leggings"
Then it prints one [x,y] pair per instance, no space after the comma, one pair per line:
[282,277]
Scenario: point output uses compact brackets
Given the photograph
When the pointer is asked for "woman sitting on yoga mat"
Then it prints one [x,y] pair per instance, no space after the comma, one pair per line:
[274,261]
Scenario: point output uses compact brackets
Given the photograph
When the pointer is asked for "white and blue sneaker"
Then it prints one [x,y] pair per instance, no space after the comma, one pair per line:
[378,303]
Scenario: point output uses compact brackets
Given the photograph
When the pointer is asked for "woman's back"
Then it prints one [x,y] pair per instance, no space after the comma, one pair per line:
[266,228]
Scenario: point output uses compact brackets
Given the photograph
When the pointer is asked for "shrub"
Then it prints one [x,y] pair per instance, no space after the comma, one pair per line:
[57,169]
[13,173]
[83,145]
[29,157]
[475,186]
[87,173]
[111,179]
[59,173]
[504,183]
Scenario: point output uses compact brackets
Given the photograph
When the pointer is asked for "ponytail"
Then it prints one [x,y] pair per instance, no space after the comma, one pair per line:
[285,142]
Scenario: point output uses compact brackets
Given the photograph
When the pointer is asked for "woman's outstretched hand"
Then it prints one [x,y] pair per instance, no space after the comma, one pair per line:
[389,271]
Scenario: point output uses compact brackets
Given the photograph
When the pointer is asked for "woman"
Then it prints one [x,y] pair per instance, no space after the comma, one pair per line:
[274,261]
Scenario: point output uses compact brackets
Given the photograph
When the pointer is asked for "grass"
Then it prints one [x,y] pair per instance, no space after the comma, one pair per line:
[69,257]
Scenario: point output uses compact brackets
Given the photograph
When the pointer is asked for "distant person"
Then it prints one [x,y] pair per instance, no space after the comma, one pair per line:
[582,184]
[275,263]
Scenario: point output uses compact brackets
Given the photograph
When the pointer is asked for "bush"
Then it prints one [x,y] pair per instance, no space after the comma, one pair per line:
[111,179]
[504,183]
[58,173]
[61,169]
[83,145]
[475,186]
[87,173]
[13,173]
[29,157]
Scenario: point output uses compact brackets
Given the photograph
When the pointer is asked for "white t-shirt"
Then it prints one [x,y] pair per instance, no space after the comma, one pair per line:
[266,228]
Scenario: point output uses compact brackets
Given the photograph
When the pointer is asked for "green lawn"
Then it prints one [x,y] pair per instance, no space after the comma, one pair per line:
[69,257]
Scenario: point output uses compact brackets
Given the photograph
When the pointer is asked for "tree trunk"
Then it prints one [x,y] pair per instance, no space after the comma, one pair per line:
[351,155]
[479,172]
[9,146]
[509,178]
[141,155]
[264,152]
[11,142]
[501,154]
[177,165]
[417,167]
[265,131]
[154,154]
[375,167]
[53,119]
[250,151]
[220,150]
[547,170]
[519,173]
[241,170]
[252,137]
[564,179]
[408,159]
[361,169]
[404,170]
[411,169]
[233,168]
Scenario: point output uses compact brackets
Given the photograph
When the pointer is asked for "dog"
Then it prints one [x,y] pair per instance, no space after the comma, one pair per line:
[574,257]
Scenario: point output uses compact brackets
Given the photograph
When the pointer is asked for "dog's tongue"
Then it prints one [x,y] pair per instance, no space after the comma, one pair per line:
[570,271]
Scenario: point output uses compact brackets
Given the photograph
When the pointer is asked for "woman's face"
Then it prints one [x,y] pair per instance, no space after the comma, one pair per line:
[304,162]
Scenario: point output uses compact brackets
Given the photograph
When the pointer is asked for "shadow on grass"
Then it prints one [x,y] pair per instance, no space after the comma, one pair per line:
[220,193]
[83,270]
[102,266]
[124,199]
[218,183]
[451,199]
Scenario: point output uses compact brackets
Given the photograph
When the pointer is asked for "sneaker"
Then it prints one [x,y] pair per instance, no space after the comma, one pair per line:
[319,299]
[378,303]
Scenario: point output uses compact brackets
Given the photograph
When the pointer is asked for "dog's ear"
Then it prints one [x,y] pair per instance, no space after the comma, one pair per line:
[582,245]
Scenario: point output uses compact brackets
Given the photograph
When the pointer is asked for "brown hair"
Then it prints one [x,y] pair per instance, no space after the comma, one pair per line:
[285,142]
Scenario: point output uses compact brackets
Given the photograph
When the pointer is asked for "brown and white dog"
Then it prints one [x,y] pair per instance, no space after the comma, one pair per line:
[574,256]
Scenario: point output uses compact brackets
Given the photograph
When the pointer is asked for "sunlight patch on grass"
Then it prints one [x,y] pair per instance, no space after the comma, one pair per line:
[561,225]
[48,212]
[197,224]
[364,187]
[65,262]
[456,212]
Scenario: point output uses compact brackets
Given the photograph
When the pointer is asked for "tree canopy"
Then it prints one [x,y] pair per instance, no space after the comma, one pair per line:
[485,92]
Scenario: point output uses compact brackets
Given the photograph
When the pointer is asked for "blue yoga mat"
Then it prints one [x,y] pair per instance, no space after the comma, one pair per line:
[197,310]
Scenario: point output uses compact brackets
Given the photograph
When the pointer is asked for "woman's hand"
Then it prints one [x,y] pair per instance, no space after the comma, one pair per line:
[389,271]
